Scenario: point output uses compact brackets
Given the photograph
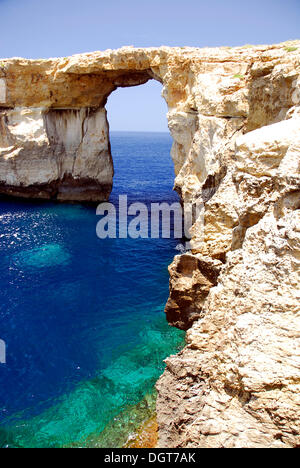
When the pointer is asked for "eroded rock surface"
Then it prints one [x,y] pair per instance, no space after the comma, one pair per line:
[236,383]
[60,154]
[191,278]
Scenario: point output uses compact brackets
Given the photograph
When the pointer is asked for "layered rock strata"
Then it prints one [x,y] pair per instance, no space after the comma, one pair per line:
[234,115]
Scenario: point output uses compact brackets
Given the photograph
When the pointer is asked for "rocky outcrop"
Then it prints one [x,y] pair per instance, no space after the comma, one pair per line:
[236,383]
[235,120]
[191,278]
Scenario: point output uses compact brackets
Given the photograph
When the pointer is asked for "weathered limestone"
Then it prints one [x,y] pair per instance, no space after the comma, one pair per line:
[234,115]
[212,95]
[62,154]
[236,384]
[192,277]
[2,91]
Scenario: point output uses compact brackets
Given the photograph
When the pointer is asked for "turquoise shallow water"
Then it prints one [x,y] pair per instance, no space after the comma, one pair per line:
[82,317]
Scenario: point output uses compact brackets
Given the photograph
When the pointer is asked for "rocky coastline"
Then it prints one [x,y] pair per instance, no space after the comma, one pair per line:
[234,116]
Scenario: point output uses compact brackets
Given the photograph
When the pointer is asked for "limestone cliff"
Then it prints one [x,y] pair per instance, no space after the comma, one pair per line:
[234,115]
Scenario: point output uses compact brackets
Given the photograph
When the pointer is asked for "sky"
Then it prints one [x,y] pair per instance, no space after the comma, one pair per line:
[41,29]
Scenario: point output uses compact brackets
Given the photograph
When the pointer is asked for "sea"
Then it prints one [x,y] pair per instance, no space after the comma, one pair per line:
[82,317]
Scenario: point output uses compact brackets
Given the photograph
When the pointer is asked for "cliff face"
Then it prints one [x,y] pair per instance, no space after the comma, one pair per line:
[234,115]
[54,139]
[50,153]
[237,382]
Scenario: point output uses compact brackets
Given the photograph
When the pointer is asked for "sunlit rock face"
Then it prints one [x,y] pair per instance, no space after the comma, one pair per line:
[53,130]
[236,383]
[60,154]
[234,115]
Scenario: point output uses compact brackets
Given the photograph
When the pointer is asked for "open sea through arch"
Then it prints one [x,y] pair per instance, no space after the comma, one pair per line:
[83,318]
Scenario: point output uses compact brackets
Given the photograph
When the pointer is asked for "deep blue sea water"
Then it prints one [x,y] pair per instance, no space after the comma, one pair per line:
[83,318]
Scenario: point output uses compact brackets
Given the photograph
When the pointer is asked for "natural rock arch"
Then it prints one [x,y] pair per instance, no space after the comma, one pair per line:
[60,152]
[234,118]
[54,133]
[53,130]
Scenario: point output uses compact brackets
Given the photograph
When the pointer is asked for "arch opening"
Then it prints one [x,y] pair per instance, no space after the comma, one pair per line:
[138,108]
[140,144]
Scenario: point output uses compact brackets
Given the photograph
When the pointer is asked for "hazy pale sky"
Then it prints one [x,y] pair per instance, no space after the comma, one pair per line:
[41,28]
